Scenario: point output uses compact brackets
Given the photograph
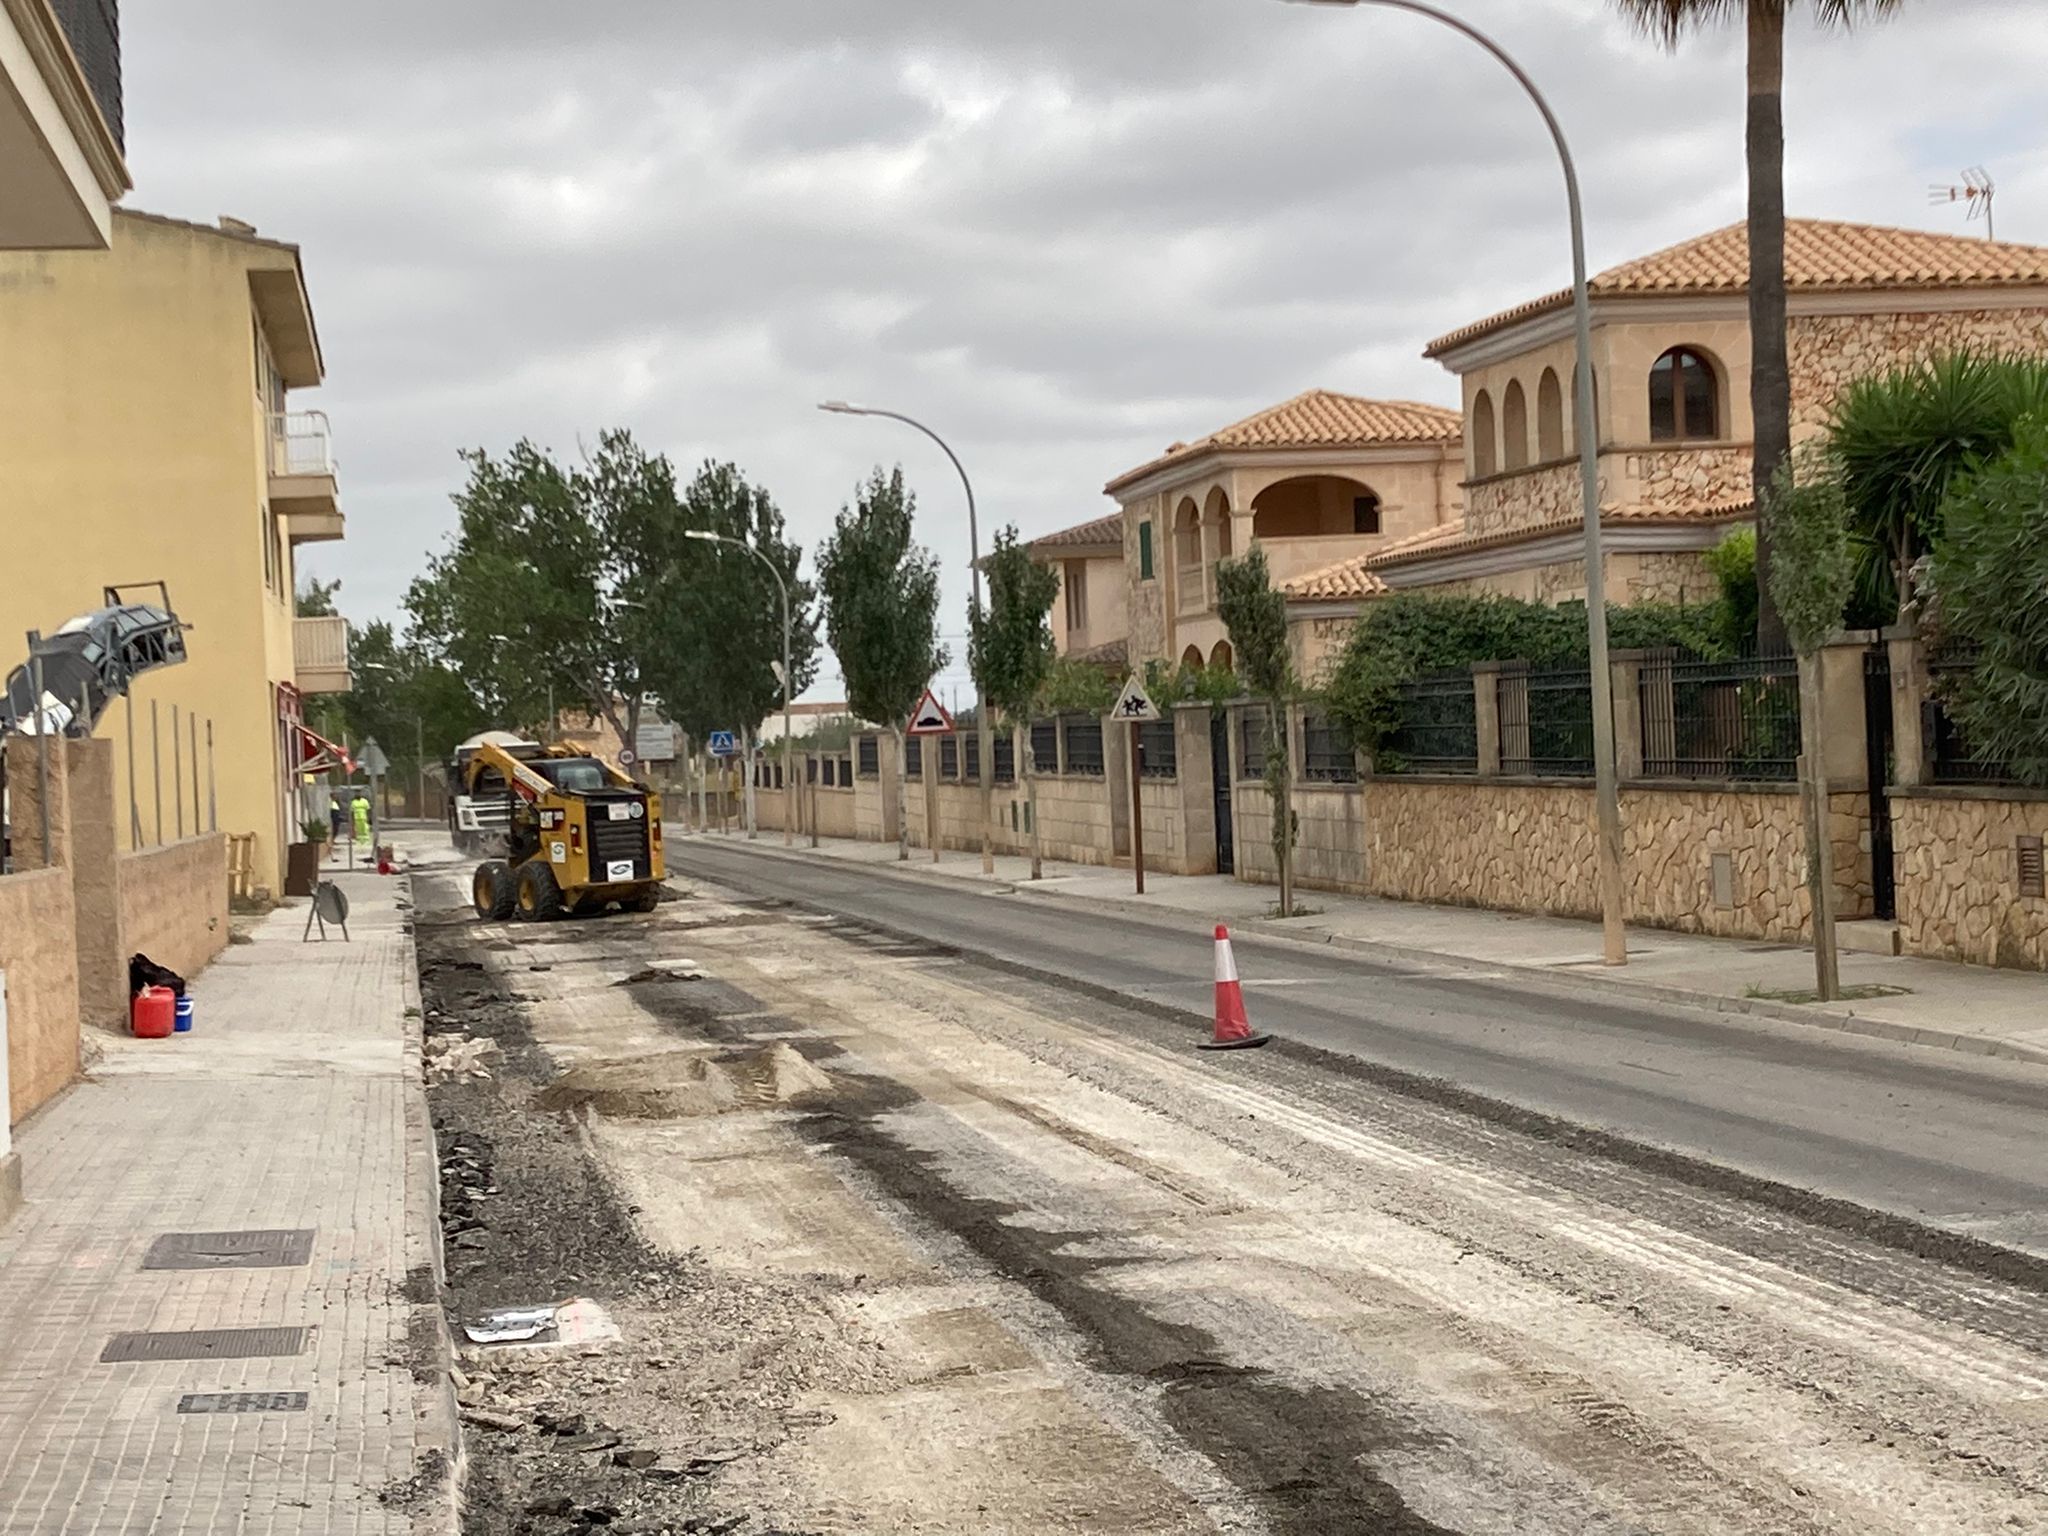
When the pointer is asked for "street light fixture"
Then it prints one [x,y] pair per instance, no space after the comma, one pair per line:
[706,536]
[982,727]
[1606,786]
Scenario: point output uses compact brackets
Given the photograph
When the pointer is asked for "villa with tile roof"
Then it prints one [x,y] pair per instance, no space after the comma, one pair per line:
[1671,361]
[1317,480]
[1089,617]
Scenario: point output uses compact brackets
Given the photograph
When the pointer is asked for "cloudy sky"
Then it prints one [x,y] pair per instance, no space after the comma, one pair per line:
[1064,232]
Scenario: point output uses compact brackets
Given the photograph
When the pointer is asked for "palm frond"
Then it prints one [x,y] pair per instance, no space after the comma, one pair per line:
[1670,20]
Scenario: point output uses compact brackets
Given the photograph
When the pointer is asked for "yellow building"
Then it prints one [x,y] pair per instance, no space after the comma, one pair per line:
[147,436]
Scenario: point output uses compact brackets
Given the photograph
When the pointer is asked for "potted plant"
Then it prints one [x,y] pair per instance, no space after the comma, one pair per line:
[302,859]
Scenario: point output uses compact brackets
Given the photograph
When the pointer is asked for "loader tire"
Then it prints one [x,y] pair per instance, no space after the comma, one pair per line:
[491,891]
[540,897]
[645,901]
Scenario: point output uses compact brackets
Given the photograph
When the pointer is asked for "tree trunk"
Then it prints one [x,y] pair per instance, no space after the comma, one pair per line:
[748,757]
[1278,752]
[1031,800]
[1770,379]
[1820,848]
[902,796]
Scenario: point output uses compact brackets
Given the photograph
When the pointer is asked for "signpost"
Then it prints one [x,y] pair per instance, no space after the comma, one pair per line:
[930,719]
[375,764]
[1135,705]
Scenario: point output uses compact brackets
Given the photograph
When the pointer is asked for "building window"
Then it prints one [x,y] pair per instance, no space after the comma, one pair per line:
[1077,596]
[1549,418]
[1145,550]
[269,549]
[1685,397]
[1365,513]
[1483,460]
[1514,427]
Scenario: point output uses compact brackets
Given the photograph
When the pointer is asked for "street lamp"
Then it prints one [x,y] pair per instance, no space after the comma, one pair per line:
[982,729]
[1606,787]
[706,536]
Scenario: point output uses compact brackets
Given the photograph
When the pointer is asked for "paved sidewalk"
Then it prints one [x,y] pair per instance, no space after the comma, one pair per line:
[295,1103]
[1937,1003]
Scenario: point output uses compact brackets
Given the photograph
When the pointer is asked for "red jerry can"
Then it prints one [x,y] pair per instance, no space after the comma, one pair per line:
[154,1013]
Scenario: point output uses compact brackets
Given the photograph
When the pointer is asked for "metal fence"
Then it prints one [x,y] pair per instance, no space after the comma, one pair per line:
[1735,719]
[1437,729]
[913,757]
[1951,758]
[1327,754]
[868,757]
[1006,757]
[1158,756]
[1546,722]
[1251,742]
[1045,745]
[949,757]
[1084,744]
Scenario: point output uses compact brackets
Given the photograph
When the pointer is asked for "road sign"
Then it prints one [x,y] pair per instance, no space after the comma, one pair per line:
[1134,703]
[628,757]
[373,760]
[722,745]
[930,717]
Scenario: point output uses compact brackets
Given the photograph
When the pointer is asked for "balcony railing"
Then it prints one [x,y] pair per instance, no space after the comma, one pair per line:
[1191,582]
[320,654]
[301,443]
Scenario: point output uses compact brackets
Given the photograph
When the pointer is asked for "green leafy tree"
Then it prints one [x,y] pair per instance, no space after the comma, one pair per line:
[1255,614]
[1806,518]
[1989,577]
[415,709]
[881,591]
[1901,439]
[316,598]
[1770,388]
[1733,563]
[1074,686]
[1011,650]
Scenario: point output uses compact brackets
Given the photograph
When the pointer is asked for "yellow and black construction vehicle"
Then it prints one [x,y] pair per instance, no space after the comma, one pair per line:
[580,835]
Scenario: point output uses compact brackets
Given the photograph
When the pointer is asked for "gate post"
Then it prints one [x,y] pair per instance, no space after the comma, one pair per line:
[1196,787]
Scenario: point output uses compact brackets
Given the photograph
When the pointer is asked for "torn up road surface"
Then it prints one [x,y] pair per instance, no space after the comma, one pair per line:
[860,1236]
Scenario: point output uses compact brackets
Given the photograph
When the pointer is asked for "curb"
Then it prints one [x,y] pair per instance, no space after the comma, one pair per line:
[434,1401]
[1276,931]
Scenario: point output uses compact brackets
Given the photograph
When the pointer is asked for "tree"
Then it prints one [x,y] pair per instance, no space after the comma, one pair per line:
[1902,439]
[1989,578]
[316,598]
[881,593]
[1770,378]
[415,709]
[1255,614]
[1806,517]
[1012,649]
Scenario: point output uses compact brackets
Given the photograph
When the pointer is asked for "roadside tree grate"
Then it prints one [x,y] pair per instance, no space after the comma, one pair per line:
[242,1402]
[206,1344]
[272,1248]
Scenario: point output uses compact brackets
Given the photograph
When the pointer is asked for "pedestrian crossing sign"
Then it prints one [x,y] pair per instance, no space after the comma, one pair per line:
[721,744]
[1134,703]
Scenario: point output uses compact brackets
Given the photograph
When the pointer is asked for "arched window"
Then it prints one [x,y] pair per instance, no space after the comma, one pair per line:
[1191,657]
[1365,512]
[1685,397]
[1220,658]
[1549,417]
[1514,427]
[1484,461]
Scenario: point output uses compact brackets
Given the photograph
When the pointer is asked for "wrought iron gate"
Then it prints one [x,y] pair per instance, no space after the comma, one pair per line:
[1877,730]
[1219,759]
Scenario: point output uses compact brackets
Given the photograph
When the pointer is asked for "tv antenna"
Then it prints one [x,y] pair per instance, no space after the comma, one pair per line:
[1976,190]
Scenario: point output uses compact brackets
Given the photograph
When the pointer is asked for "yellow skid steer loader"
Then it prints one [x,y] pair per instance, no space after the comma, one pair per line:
[580,835]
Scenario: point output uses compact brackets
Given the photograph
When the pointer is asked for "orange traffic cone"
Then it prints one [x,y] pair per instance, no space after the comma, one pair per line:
[1233,1027]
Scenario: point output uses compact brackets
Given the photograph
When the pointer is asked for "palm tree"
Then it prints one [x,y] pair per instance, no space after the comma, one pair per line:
[1770,376]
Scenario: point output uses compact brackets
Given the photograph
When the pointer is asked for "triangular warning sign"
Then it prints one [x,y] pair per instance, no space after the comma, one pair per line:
[929,718]
[1134,703]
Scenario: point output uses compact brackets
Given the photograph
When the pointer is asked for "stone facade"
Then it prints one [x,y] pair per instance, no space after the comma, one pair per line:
[1680,479]
[174,904]
[39,964]
[1828,352]
[1958,886]
[1548,493]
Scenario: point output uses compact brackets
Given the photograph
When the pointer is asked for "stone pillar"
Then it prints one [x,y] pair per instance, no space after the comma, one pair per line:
[1845,747]
[885,784]
[1486,715]
[1627,670]
[1194,762]
[1912,752]
[25,800]
[1116,783]
[95,844]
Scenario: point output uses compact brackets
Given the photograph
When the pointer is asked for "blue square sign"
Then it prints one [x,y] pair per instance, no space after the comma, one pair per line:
[723,745]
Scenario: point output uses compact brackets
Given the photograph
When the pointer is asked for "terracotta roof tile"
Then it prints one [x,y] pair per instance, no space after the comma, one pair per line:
[1820,257]
[1452,538]
[1100,531]
[1334,583]
[1319,418]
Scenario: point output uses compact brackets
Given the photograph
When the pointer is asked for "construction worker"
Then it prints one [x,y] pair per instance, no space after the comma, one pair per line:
[360,809]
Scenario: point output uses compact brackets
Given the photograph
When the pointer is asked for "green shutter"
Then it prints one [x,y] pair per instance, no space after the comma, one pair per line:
[1144,551]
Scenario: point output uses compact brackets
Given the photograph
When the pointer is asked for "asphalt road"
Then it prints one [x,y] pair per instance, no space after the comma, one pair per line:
[1947,1139]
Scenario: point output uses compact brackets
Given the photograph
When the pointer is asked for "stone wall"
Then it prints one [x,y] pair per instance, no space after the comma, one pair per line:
[1509,845]
[38,960]
[1828,352]
[1958,876]
[1527,497]
[174,906]
[1671,479]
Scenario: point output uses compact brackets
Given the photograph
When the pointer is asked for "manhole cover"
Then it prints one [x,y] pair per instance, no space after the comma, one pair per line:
[242,1402]
[206,1344]
[268,1249]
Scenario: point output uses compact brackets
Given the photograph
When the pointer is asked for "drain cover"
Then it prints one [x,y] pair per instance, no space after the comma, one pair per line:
[231,1250]
[206,1344]
[242,1402]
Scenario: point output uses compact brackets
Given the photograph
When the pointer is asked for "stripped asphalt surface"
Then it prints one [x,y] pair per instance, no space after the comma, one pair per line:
[974,1250]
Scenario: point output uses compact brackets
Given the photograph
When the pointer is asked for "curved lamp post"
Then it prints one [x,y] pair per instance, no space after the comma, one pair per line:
[982,728]
[1607,791]
[706,536]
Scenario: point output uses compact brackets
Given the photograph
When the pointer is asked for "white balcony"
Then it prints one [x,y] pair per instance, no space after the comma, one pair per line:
[304,491]
[320,655]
